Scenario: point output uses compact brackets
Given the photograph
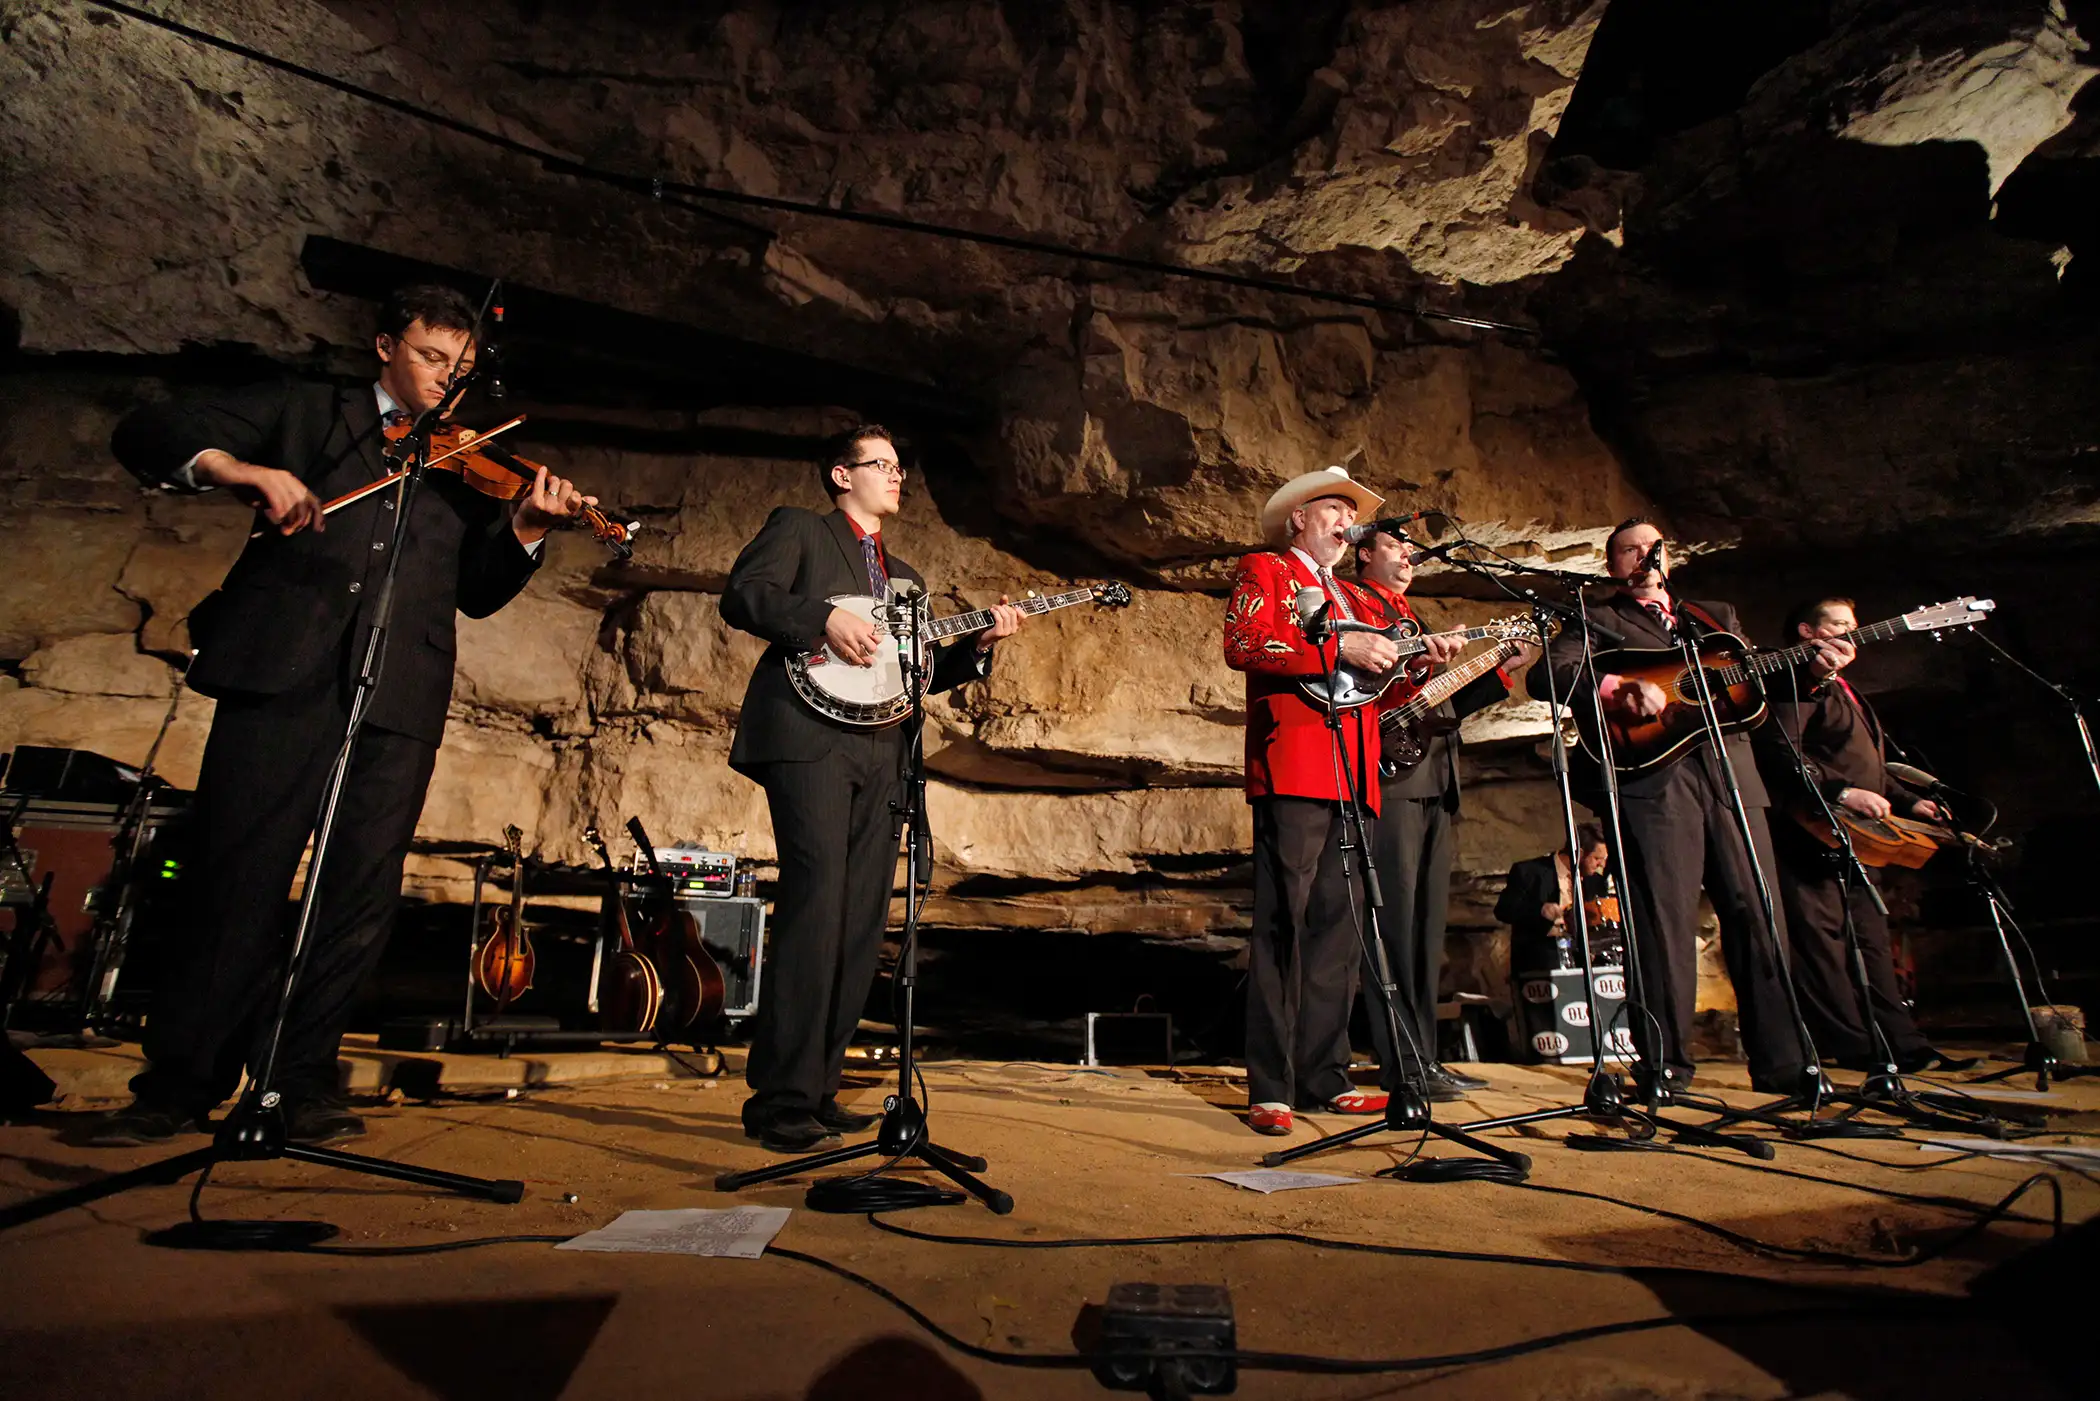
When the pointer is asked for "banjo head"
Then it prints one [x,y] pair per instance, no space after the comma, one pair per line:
[854,695]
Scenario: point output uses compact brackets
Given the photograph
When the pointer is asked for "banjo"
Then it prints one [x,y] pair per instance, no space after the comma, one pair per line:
[876,695]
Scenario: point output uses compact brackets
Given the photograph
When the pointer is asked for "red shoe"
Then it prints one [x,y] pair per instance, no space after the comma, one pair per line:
[1269,1118]
[1357,1102]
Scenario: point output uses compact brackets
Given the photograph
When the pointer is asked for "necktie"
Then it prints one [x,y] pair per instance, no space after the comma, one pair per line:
[1662,613]
[878,577]
[1334,591]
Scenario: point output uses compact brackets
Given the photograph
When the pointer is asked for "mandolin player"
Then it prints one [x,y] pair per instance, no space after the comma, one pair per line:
[829,786]
[1844,751]
[1681,835]
[279,645]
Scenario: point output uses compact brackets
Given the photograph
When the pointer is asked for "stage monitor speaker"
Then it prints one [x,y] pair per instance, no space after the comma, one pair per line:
[1558,1022]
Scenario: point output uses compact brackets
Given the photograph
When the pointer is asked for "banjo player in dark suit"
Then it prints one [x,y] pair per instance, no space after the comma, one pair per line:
[278,646]
[1680,834]
[829,786]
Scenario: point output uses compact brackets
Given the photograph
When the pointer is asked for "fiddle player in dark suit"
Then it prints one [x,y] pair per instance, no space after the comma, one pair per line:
[829,786]
[1680,834]
[1412,844]
[278,646]
[1844,749]
[1536,895]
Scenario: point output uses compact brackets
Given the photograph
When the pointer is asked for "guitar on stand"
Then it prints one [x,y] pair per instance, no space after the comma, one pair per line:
[693,986]
[627,991]
[1733,677]
[876,695]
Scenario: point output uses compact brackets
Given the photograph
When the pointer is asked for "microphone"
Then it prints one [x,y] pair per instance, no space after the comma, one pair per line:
[1311,606]
[1915,777]
[903,613]
[1653,561]
[1390,525]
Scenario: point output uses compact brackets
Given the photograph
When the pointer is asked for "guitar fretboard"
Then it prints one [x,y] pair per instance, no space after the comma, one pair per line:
[1787,658]
[1415,646]
[1446,684]
[978,621]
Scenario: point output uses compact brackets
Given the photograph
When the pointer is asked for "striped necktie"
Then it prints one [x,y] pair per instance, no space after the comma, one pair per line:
[1334,591]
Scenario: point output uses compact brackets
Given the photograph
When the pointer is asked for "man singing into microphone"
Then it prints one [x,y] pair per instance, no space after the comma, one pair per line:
[1680,833]
[1307,930]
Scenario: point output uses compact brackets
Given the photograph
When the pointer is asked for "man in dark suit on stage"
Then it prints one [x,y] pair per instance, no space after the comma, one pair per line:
[1840,740]
[279,646]
[829,786]
[1535,899]
[1413,843]
[1680,834]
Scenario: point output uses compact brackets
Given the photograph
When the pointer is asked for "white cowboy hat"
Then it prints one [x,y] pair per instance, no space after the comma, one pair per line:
[1328,481]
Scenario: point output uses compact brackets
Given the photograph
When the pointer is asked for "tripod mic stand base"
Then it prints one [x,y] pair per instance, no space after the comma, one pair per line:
[902,1135]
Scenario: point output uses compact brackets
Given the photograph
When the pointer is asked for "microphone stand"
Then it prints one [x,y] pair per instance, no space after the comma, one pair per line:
[1407,1107]
[1809,1095]
[1603,1100]
[2038,1058]
[1883,1089]
[903,1132]
[255,1130]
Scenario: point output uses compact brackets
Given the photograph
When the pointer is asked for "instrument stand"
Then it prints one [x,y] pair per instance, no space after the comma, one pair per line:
[903,1132]
[1603,1098]
[1407,1107]
[255,1130]
[1883,1090]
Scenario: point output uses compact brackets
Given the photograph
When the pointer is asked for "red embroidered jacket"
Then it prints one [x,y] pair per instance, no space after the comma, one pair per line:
[1290,752]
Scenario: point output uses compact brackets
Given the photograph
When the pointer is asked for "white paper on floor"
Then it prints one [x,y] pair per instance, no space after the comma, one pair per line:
[1278,1180]
[1994,1148]
[738,1233]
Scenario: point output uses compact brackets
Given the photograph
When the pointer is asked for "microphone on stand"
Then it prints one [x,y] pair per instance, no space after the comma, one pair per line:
[1653,562]
[1915,777]
[1311,607]
[494,355]
[1389,525]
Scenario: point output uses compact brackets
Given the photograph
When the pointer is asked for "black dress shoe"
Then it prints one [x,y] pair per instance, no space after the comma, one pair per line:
[835,1116]
[793,1132]
[140,1125]
[1434,1086]
[322,1120]
[1459,1077]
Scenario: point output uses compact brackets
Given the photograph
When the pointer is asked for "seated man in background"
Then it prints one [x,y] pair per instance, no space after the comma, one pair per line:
[1535,899]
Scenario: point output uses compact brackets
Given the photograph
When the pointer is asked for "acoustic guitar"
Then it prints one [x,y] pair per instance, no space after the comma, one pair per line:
[1883,841]
[1734,673]
[694,989]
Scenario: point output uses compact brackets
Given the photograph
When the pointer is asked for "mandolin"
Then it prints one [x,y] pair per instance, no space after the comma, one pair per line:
[630,994]
[503,965]
[694,989]
[1734,677]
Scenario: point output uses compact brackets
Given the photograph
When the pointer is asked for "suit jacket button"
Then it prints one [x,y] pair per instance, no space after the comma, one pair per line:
[379,544]
[357,588]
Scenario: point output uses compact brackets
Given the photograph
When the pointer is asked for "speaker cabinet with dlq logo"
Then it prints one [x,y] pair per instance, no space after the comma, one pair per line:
[1558,1021]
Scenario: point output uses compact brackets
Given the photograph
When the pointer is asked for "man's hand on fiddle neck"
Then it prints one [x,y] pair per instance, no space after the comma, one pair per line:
[551,501]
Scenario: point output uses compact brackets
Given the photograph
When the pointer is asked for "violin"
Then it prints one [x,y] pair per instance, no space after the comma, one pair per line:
[503,965]
[694,987]
[631,992]
[490,469]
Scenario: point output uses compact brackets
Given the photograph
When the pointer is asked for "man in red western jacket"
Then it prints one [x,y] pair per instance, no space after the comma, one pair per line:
[1306,937]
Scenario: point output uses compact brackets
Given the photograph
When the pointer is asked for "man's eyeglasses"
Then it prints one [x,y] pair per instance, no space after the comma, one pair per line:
[887,469]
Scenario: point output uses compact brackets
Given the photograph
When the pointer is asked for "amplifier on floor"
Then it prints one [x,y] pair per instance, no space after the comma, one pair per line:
[695,870]
[1558,1020]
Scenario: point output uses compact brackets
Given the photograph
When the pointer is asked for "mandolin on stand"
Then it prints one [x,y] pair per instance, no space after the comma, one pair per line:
[503,965]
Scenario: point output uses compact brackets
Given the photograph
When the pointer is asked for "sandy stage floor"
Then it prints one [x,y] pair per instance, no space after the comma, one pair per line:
[92,1312]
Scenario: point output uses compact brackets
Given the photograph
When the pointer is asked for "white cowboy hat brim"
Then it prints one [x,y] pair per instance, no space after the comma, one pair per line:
[1328,481]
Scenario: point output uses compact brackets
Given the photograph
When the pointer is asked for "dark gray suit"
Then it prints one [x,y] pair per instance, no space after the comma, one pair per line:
[829,788]
[278,645]
[1681,835]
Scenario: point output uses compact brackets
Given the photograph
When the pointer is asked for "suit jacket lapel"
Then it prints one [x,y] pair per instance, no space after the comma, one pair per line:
[1643,628]
[849,548]
[361,418]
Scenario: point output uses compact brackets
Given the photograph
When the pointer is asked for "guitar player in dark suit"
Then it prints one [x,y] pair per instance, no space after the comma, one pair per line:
[1412,844]
[1845,751]
[278,646]
[828,785]
[1681,834]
